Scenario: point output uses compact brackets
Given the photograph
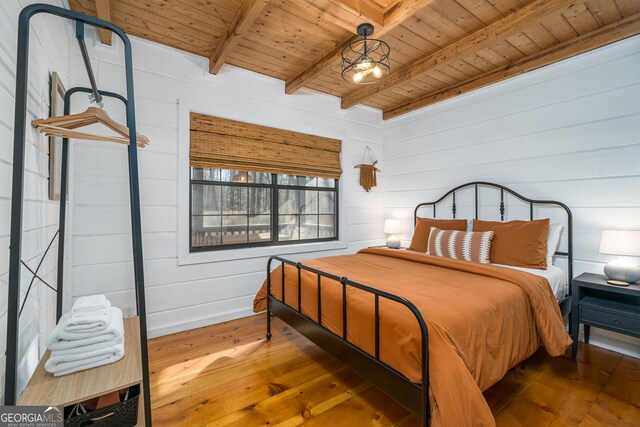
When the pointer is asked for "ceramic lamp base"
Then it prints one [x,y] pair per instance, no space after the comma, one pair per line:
[393,242]
[622,270]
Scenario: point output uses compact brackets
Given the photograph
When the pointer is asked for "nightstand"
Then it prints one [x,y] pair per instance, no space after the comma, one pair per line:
[596,303]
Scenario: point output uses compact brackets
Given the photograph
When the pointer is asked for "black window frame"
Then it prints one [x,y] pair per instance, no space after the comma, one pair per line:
[274,187]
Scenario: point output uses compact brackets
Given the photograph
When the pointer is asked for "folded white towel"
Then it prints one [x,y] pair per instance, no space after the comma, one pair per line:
[83,353]
[86,310]
[61,339]
[93,349]
[67,345]
[64,365]
[95,321]
[90,303]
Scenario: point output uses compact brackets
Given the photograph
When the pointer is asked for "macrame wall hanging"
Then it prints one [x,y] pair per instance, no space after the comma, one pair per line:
[368,178]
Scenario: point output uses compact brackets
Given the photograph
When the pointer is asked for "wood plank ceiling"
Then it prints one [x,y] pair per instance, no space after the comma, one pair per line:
[439,48]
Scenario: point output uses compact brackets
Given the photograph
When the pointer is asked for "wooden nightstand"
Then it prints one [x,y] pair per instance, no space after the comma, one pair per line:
[596,303]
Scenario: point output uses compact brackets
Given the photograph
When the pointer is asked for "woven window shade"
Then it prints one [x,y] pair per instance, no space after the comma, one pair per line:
[229,144]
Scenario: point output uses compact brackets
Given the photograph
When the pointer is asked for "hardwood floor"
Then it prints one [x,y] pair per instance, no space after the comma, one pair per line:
[228,375]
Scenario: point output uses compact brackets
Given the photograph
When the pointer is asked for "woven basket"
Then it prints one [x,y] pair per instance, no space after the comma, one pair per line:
[121,414]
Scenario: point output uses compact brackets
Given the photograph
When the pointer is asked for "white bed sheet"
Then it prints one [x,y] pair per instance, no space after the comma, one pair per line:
[556,277]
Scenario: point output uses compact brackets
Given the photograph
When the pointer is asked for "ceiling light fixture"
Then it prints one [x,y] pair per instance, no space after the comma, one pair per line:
[365,61]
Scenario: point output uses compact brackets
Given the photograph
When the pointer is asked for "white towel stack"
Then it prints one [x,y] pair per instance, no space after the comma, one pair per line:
[88,336]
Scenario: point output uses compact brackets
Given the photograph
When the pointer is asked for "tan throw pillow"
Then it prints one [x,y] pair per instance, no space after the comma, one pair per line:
[519,243]
[423,227]
[464,245]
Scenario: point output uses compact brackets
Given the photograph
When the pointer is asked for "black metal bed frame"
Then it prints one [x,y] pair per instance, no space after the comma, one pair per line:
[19,140]
[414,397]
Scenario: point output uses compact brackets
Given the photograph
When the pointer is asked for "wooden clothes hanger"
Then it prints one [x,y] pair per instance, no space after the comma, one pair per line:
[64,126]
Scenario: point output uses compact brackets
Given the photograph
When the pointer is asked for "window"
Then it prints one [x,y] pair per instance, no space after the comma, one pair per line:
[281,201]
[232,209]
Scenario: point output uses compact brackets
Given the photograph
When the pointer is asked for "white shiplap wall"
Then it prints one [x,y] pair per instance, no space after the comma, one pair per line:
[569,132]
[50,44]
[182,296]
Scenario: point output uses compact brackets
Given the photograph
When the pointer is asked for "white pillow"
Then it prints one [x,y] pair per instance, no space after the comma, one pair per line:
[553,239]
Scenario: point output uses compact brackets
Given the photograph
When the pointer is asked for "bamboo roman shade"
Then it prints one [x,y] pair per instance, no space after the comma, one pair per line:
[229,144]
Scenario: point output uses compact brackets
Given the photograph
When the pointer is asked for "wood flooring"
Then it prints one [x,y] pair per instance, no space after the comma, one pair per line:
[228,375]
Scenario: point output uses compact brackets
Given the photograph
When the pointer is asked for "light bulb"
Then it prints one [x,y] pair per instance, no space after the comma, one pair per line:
[377,72]
[364,65]
[357,77]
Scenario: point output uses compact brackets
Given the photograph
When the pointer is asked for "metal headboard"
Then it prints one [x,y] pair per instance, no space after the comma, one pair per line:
[501,209]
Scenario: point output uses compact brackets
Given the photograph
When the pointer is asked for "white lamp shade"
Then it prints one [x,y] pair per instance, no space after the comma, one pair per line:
[392,226]
[620,242]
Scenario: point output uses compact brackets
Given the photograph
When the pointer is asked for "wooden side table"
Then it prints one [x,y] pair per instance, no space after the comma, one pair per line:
[597,303]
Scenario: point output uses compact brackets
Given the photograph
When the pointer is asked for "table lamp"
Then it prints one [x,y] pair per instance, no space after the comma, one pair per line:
[621,271]
[393,227]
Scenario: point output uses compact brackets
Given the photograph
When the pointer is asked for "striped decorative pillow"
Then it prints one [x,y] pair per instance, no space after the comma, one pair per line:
[465,245]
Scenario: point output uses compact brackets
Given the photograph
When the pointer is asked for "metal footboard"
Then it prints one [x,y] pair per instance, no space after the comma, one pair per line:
[414,397]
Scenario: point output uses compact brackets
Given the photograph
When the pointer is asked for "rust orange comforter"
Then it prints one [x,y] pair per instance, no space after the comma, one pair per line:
[482,320]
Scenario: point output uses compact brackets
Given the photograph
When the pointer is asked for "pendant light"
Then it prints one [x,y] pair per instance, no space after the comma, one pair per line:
[366,60]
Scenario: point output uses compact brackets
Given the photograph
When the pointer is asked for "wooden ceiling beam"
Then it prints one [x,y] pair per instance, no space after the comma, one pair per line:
[366,10]
[346,14]
[603,36]
[393,17]
[511,24]
[400,10]
[247,15]
[317,67]
[103,11]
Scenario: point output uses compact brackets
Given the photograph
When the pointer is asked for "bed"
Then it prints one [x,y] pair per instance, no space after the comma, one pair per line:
[431,332]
